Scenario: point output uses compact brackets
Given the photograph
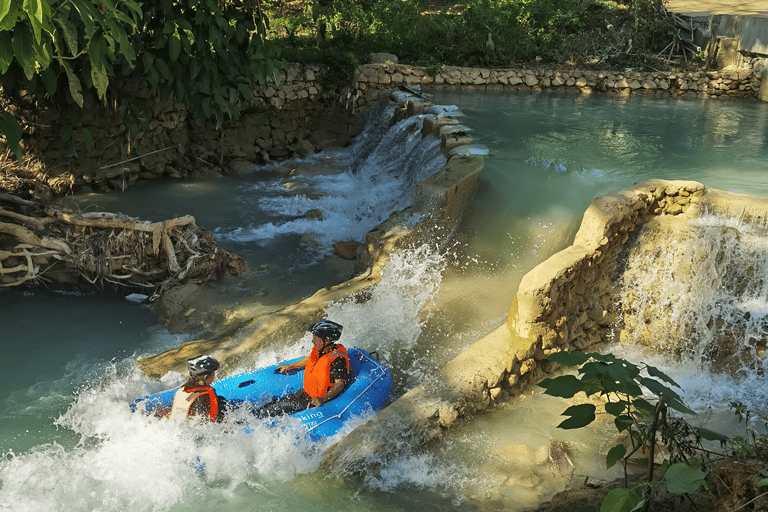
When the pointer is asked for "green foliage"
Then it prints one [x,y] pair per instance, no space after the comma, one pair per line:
[206,52]
[10,127]
[481,32]
[623,385]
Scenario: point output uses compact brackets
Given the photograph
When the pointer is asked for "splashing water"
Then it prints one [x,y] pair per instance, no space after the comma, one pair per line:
[699,292]
[109,459]
[346,205]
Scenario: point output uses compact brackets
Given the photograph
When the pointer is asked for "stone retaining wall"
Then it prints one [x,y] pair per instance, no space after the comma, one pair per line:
[562,304]
[301,117]
[742,82]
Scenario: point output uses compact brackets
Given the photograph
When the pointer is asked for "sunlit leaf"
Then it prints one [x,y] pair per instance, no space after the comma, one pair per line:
[69,32]
[100,81]
[34,11]
[75,89]
[8,21]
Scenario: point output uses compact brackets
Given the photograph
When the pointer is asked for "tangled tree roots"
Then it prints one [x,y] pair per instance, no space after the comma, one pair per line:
[41,244]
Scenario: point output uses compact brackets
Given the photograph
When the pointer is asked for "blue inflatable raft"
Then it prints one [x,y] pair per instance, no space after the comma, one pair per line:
[367,390]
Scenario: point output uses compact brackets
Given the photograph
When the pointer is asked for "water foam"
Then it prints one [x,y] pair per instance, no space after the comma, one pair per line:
[378,180]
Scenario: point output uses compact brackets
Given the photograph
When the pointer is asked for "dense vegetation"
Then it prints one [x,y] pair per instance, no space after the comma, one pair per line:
[209,52]
[626,33]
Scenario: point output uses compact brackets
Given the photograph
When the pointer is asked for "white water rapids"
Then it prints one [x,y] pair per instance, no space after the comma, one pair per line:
[69,442]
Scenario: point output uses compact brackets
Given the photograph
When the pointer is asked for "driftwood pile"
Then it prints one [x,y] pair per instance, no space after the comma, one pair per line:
[41,245]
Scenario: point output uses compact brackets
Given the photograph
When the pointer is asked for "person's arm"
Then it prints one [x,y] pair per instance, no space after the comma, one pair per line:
[334,390]
[285,368]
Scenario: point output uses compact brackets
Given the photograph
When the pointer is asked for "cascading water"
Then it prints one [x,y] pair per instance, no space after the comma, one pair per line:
[351,202]
[69,443]
[697,290]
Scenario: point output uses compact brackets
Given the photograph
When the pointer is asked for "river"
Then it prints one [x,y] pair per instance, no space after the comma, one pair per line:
[70,443]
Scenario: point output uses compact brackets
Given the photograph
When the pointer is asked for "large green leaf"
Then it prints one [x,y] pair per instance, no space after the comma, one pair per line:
[565,386]
[11,15]
[75,88]
[174,46]
[621,500]
[100,81]
[34,11]
[10,127]
[23,49]
[126,48]
[69,31]
[6,51]
[580,416]
[5,8]
[97,49]
[616,408]
[88,15]
[615,454]
[682,478]
[50,81]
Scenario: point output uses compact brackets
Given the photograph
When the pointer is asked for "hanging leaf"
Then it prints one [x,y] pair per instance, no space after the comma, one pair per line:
[655,372]
[34,11]
[615,454]
[97,49]
[6,51]
[9,13]
[69,31]
[683,479]
[12,131]
[22,48]
[621,500]
[50,81]
[100,82]
[75,89]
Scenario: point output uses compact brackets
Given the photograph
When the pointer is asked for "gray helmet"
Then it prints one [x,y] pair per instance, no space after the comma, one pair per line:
[327,330]
[202,365]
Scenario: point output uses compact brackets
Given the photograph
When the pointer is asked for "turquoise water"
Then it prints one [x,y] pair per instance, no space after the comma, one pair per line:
[69,442]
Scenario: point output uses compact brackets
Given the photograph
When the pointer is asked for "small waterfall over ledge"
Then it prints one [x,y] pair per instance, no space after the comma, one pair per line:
[696,289]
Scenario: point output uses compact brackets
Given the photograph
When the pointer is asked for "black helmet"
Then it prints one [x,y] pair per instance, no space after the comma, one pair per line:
[326,330]
[202,365]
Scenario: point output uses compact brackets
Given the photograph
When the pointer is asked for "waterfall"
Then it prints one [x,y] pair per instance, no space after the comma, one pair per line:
[379,171]
[698,290]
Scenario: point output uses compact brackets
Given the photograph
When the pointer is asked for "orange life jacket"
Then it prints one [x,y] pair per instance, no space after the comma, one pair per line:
[184,398]
[317,371]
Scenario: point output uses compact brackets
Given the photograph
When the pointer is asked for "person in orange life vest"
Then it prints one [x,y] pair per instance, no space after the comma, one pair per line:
[196,398]
[326,371]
